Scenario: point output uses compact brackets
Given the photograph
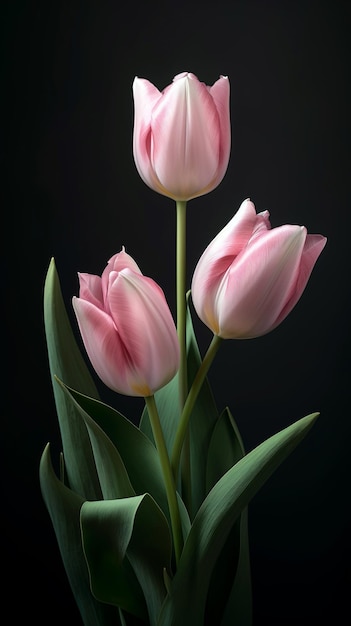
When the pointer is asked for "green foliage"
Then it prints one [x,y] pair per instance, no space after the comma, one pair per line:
[111,519]
[215,519]
[67,363]
[64,507]
[132,529]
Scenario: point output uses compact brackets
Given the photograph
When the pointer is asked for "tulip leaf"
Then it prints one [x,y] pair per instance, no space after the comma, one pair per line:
[128,528]
[135,449]
[203,418]
[67,363]
[215,519]
[230,594]
[238,607]
[113,476]
[64,509]
[224,450]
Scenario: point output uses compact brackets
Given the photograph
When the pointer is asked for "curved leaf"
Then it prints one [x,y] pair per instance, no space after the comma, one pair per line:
[113,476]
[215,519]
[224,450]
[64,509]
[229,595]
[136,451]
[238,607]
[133,528]
[66,362]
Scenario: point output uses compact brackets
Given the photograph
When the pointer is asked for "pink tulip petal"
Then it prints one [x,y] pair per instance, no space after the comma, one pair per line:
[251,276]
[185,138]
[117,262]
[146,326]
[314,245]
[145,96]
[104,348]
[218,257]
[121,260]
[220,92]
[260,282]
[262,225]
[90,289]
[181,137]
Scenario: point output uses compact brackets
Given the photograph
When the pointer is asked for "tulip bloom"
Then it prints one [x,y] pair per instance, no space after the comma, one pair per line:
[127,328]
[181,140]
[250,276]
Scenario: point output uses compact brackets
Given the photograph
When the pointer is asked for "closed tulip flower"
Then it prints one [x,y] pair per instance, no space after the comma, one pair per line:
[181,137]
[127,328]
[251,276]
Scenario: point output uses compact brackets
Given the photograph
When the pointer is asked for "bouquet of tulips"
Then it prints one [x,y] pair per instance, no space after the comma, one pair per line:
[151,514]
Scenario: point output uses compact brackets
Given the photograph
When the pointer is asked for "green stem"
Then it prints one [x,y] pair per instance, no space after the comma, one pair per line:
[181,298]
[190,401]
[181,329]
[167,476]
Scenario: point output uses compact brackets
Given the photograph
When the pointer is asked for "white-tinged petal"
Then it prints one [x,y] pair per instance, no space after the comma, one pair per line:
[217,258]
[103,345]
[185,138]
[259,282]
[146,327]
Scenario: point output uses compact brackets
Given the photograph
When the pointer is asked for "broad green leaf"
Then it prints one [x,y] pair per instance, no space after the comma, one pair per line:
[64,509]
[138,454]
[133,528]
[238,608]
[203,418]
[224,450]
[113,476]
[215,519]
[66,362]
[230,593]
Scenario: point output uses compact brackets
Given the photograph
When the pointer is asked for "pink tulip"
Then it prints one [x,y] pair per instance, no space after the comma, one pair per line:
[181,137]
[250,276]
[127,328]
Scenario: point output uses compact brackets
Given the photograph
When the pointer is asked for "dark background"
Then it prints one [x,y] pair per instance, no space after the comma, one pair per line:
[70,190]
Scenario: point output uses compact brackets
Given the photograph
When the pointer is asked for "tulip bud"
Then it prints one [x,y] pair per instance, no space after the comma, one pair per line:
[250,276]
[181,139]
[127,328]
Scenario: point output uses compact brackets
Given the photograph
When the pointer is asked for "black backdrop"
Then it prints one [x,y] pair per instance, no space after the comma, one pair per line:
[71,190]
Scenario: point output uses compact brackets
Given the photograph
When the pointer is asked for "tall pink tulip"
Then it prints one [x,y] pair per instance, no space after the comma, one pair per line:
[182,137]
[251,276]
[127,328]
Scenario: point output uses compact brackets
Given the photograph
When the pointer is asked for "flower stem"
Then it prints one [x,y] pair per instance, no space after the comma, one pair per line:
[167,476]
[181,329]
[181,298]
[190,401]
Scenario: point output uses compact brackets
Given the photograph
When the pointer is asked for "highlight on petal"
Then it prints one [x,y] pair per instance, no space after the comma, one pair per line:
[219,256]
[314,245]
[220,92]
[145,96]
[146,326]
[260,282]
[185,138]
